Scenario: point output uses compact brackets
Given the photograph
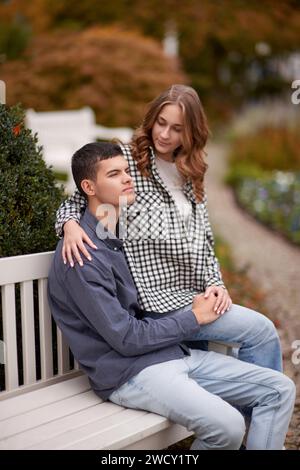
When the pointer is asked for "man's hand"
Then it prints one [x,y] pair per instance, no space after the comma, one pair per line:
[203,309]
[221,298]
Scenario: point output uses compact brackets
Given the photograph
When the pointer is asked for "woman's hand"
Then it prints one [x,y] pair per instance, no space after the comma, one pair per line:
[223,300]
[74,236]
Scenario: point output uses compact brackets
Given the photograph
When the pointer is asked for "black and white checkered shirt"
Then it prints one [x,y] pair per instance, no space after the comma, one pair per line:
[170,261]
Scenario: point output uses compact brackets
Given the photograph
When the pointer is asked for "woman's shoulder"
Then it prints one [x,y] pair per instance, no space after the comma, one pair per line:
[126,149]
[127,152]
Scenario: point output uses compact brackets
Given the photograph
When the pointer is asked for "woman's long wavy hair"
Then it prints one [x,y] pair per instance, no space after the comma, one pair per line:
[189,157]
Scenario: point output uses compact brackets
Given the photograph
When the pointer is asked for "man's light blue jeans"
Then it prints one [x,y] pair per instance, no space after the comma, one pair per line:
[202,391]
[256,336]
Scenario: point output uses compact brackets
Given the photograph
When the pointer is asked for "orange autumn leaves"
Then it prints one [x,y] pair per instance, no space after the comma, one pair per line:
[112,71]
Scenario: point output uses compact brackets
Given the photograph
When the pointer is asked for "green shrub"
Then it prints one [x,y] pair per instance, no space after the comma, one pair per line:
[29,195]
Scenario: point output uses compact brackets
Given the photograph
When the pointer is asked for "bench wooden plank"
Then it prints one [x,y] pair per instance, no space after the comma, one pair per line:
[22,389]
[124,433]
[28,337]
[160,440]
[47,413]
[10,336]
[62,353]
[45,326]
[42,397]
[25,267]
[93,432]
[49,430]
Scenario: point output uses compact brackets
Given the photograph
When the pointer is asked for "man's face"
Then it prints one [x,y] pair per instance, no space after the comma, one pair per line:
[114,184]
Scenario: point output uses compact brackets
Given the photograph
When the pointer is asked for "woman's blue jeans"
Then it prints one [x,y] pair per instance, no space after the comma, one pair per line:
[255,334]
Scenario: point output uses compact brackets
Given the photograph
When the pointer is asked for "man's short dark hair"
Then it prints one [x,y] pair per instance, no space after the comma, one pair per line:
[85,160]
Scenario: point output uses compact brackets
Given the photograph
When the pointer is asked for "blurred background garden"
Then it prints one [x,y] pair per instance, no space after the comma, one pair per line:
[243,58]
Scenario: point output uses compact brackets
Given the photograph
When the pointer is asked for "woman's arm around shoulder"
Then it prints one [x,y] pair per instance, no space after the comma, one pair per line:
[67,223]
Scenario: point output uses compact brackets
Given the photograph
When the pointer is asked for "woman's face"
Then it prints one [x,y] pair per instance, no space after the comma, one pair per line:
[167,131]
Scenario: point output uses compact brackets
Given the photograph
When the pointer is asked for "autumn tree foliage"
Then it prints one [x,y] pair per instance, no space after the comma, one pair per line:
[113,71]
[233,23]
[222,44]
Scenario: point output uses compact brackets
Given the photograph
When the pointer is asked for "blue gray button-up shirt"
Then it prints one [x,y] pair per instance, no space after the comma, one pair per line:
[96,308]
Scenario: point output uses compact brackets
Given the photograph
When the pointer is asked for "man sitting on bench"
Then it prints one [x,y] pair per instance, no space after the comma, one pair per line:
[139,362]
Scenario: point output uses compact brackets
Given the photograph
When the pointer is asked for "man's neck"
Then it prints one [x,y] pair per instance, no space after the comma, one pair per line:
[107,214]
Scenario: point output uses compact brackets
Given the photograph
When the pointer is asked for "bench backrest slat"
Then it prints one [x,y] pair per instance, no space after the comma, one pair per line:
[45,331]
[28,336]
[10,336]
[62,354]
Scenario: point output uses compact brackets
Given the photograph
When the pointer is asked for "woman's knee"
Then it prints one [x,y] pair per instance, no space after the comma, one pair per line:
[280,389]
[268,326]
[259,323]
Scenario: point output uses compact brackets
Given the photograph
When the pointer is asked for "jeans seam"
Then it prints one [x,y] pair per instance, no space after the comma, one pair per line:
[270,433]
[240,381]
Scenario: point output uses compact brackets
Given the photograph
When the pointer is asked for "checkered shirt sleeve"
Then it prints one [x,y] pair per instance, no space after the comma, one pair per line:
[212,272]
[71,208]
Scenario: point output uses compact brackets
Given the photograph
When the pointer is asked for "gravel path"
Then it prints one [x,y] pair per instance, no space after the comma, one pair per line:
[272,263]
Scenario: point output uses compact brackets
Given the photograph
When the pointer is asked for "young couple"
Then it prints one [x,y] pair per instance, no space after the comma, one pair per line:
[128,321]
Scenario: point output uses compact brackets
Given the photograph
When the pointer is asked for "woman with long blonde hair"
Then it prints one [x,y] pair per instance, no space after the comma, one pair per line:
[168,238]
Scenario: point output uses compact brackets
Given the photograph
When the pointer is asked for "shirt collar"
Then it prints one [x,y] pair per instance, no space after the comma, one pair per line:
[108,238]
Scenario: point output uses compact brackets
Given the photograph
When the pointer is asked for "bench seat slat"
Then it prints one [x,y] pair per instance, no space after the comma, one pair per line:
[123,433]
[49,430]
[91,432]
[48,413]
[159,440]
[42,397]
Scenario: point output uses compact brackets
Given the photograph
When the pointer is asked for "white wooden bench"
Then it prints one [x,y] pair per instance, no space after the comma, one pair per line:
[61,133]
[54,406]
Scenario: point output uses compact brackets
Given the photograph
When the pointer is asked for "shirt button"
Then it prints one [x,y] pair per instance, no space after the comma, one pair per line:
[115,248]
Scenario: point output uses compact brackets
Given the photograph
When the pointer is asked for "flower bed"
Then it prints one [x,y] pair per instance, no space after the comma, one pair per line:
[274,199]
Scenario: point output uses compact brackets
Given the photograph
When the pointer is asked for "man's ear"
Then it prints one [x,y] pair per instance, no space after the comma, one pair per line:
[88,187]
